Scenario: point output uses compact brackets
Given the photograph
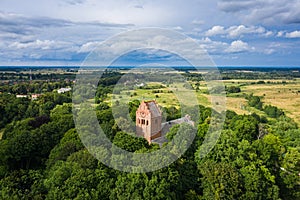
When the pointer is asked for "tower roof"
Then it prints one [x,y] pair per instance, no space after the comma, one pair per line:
[153,108]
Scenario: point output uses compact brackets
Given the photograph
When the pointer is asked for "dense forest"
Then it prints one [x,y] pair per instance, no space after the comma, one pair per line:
[42,156]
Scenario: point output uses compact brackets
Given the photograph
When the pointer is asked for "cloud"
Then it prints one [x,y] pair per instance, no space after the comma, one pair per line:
[38,50]
[24,25]
[144,57]
[239,46]
[263,12]
[154,39]
[237,31]
[213,47]
[139,6]
[75,2]
[285,34]
[294,34]
[269,51]
[39,44]
[215,30]
[198,22]
[88,47]
[238,5]
[29,37]
[178,28]
[102,24]
[269,33]
[13,19]
[146,13]
[232,26]
[219,48]
[280,33]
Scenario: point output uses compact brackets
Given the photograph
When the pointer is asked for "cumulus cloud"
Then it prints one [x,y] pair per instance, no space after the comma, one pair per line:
[294,34]
[38,50]
[286,34]
[215,30]
[239,46]
[237,31]
[214,47]
[219,48]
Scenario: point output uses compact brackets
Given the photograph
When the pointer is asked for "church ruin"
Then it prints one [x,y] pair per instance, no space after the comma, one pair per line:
[149,122]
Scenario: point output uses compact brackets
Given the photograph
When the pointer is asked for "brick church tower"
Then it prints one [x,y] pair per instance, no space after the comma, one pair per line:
[148,120]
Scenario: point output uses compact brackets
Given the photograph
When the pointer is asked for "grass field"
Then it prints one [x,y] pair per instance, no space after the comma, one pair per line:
[166,97]
[284,94]
[237,105]
[186,97]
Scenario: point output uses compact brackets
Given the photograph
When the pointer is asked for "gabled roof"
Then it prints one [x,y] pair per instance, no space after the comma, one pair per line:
[153,107]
